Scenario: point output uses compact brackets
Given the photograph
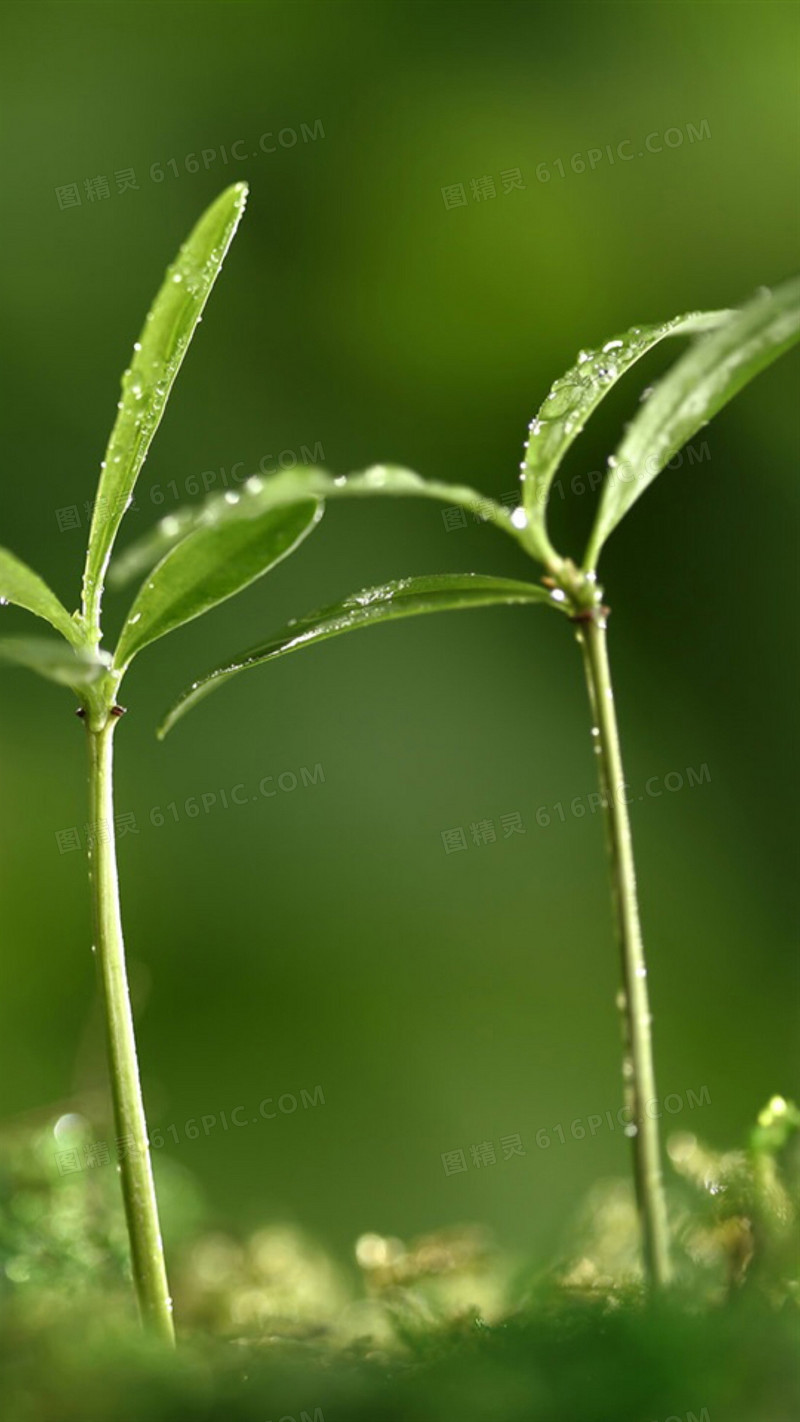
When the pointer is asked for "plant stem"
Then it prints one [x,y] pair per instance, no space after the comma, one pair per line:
[638,1072]
[138,1190]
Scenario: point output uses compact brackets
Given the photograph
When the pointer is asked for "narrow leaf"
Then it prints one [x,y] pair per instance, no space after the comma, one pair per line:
[74,667]
[20,585]
[409,597]
[259,494]
[217,560]
[146,385]
[711,372]
[576,395]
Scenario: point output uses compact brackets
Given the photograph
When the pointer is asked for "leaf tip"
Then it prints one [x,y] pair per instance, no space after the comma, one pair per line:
[166,723]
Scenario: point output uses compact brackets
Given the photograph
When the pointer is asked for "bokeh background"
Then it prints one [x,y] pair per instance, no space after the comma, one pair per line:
[322,937]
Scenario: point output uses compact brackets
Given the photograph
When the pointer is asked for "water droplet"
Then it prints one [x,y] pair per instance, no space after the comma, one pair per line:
[176,277]
[71,1121]
[641,972]
[519,518]
[558,595]
[134,619]
[254,485]
[137,345]
[612,345]
[371,595]
[631,1131]
[230,497]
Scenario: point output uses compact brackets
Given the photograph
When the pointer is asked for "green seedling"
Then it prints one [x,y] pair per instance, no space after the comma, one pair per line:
[728,349]
[210,565]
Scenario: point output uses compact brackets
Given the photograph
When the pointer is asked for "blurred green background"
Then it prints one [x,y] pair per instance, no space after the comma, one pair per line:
[322,936]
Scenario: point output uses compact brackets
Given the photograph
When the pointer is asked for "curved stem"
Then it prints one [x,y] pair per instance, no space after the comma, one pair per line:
[141,1211]
[638,1071]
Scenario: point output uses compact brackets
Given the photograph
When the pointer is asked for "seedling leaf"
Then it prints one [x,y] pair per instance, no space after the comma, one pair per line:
[711,372]
[146,385]
[301,483]
[576,395]
[76,667]
[215,561]
[20,585]
[408,597]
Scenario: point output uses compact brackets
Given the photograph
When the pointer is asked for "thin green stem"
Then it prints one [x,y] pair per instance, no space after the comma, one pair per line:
[141,1211]
[638,1071]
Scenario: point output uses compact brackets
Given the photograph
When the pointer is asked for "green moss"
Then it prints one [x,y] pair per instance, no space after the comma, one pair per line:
[441,1327]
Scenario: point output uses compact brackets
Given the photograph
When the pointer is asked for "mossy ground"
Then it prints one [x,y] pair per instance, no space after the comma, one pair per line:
[444,1327]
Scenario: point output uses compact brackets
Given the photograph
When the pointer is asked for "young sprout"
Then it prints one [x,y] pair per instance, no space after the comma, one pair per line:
[729,348]
[214,561]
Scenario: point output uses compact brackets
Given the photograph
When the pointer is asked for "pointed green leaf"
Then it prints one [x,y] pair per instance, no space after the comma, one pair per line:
[279,489]
[576,395]
[409,597]
[19,584]
[146,385]
[217,560]
[711,372]
[57,661]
